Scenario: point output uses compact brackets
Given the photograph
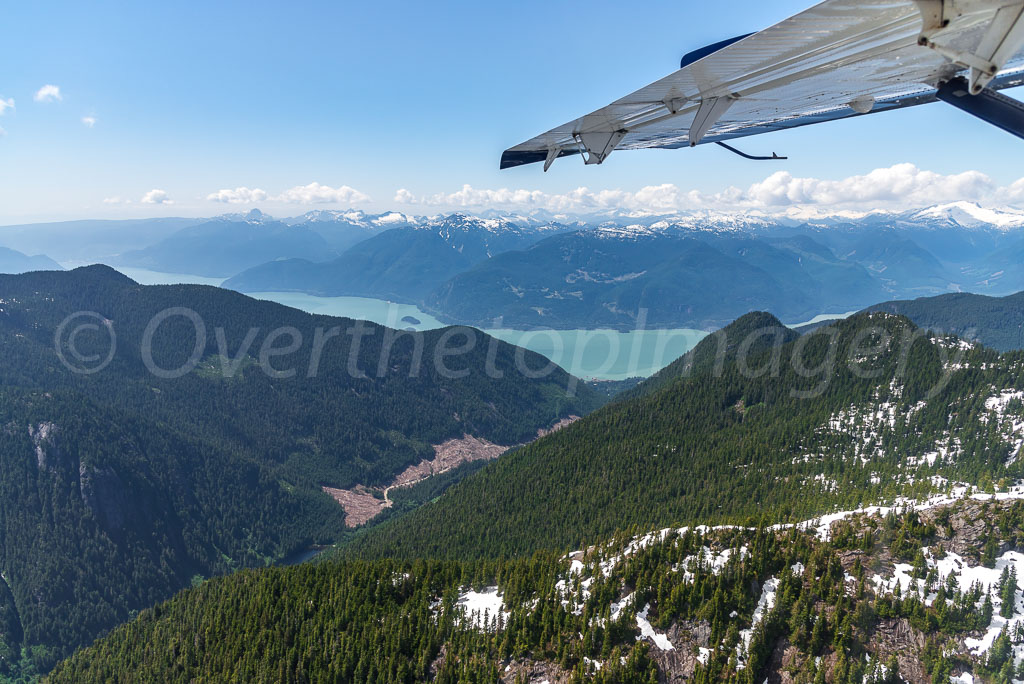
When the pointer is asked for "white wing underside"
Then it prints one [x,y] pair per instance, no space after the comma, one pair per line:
[837,59]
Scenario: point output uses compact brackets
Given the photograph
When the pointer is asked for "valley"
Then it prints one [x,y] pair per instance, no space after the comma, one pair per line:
[362,504]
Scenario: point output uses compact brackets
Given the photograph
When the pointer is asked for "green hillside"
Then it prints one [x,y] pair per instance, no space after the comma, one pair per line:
[119,487]
[752,333]
[735,605]
[734,445]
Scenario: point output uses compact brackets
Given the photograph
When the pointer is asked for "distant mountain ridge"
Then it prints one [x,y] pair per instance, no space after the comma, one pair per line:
[996,322]
[399,263]
[88,241]
[227,245]
[12,261]
[795,263]
[649,277]
[689,270]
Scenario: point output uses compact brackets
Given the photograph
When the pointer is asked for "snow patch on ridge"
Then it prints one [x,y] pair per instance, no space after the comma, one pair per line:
[823,524]
[764,606]
[966,578]
[647,631]
[482,608]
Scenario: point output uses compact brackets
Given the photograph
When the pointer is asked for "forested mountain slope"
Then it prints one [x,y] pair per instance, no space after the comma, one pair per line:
[678,278]
[749,334]
[866,408]
[919,595]
[118,486]
[996,322]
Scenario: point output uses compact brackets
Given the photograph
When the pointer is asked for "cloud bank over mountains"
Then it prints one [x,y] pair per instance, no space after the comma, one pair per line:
[314,193]
[895,188]
[901,186]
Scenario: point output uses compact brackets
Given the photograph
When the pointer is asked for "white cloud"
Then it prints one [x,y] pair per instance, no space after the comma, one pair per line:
[1015,191]
[896,187]
[156,196]
[240,195]
[116,200]
[315,193]
[899,184]
[659,197]
[6,104]
[89,121]
[403,196]
[48,93]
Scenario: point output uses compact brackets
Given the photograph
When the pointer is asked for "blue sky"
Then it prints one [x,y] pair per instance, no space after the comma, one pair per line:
[192,98]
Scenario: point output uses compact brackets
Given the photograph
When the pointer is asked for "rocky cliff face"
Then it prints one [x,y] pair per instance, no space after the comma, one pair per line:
[104,492]
[45,439]
[101,488]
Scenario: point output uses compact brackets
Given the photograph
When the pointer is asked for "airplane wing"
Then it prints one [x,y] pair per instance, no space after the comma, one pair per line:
[838,59]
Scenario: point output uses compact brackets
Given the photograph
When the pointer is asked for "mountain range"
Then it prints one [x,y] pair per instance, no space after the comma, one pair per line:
[837,505]
[226,245]
[90,240]
[611,270]
[12,261]
[400,263]
[698,271]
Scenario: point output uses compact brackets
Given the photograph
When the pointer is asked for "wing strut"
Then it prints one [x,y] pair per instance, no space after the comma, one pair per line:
[1002,39]
[708,113]
[989,106]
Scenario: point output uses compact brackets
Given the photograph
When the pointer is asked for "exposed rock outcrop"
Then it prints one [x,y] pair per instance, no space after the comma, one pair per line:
[105,494]
[45,439]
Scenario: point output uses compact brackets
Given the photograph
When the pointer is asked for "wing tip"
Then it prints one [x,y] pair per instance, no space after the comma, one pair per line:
[513,158]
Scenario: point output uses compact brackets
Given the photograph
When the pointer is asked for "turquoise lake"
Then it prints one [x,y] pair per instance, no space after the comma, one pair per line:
[589,354]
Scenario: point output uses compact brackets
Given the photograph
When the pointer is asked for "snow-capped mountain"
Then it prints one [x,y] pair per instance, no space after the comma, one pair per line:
[494,234]
[253,216]
[959,214]
[548,273]
[356,217]
[968,215]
